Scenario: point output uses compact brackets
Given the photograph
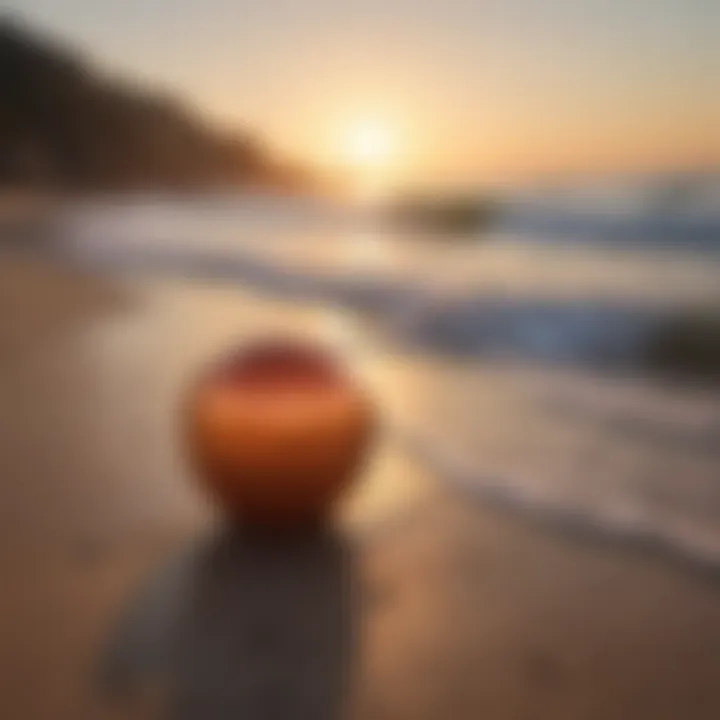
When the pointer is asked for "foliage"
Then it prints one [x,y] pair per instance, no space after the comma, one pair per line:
[62,123]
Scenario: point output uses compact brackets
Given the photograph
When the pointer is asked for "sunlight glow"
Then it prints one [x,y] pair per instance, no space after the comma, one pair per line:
[368,143]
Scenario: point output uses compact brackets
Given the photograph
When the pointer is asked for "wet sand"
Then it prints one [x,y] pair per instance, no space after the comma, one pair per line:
[423,603]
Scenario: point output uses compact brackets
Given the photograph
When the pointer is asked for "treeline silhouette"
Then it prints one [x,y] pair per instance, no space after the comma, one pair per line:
[65,124]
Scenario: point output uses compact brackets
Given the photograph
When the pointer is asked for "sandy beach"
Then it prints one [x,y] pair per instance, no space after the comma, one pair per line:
[425,602]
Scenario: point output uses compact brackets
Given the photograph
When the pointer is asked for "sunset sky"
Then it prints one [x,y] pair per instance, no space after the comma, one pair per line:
[460,90]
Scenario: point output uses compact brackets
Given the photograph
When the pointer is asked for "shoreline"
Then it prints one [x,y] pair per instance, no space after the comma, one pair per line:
[464,610]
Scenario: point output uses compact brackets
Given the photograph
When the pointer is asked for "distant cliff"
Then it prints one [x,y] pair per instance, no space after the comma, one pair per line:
[64,124]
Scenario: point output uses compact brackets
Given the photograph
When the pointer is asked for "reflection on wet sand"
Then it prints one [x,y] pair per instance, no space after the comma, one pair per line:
[254,627]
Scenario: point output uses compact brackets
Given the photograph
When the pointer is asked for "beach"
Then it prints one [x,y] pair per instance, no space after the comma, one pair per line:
[455,605]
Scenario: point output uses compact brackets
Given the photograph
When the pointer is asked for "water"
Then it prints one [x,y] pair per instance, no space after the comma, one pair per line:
[522,350]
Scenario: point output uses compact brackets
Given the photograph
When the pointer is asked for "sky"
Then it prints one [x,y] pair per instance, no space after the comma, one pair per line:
[460,90]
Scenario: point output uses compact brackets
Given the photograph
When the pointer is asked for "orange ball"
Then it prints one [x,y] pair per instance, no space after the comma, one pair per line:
[277,431]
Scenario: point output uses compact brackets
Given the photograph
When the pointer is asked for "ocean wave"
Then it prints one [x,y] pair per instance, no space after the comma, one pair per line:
[590,461]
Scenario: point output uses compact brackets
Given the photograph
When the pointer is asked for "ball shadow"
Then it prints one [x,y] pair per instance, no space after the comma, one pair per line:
[254,627]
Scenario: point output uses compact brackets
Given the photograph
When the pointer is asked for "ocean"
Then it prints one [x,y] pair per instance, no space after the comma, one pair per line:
[521,352]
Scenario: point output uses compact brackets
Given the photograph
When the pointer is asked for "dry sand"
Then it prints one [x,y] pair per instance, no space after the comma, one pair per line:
[423,604]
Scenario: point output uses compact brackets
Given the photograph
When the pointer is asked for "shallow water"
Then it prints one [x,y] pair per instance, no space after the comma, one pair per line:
[518,351]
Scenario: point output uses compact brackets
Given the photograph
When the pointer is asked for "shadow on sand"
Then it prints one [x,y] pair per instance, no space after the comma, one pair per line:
[243,626]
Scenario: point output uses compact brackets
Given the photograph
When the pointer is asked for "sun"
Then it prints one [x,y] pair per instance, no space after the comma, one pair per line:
[368,144]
